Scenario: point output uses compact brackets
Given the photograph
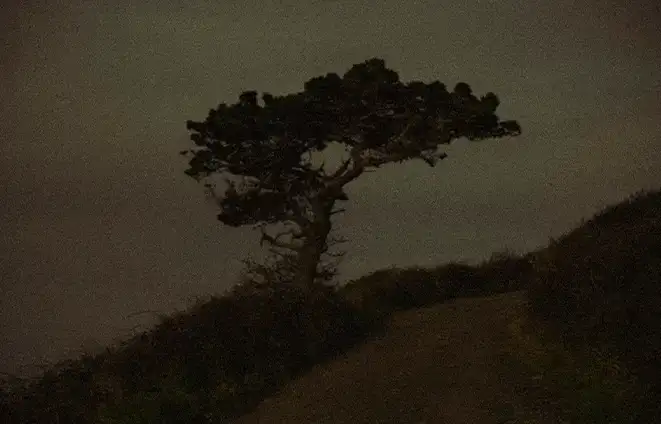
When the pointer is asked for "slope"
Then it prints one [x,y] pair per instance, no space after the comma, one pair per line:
[450,363]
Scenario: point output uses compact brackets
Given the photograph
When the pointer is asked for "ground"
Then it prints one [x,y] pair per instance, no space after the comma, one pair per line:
[451,363]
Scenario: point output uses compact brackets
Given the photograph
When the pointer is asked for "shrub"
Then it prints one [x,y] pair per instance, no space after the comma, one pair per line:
[385,291]
[505,272]
[601,285]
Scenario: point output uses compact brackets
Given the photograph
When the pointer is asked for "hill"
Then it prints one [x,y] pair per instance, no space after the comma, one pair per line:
[449,363]
[568,333]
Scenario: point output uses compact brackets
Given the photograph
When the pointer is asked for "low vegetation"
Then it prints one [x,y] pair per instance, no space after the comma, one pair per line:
[598,289]
[593,333]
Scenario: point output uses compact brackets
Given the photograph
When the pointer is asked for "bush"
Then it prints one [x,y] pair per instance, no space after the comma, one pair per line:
[216,360]
[253,340]
[601,285]
[382,292]
[505,272]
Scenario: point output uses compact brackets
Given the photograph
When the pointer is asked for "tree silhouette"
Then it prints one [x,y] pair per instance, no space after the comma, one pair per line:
[266,148]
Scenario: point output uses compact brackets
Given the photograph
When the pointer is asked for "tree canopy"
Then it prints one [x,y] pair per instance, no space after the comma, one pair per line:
[378,119]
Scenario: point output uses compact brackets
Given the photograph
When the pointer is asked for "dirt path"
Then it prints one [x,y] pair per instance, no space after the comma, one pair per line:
[443,364]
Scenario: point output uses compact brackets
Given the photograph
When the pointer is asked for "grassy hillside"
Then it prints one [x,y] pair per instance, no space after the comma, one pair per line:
[589,330]
[448,363]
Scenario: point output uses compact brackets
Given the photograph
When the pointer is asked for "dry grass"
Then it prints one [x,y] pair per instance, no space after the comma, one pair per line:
[447,363]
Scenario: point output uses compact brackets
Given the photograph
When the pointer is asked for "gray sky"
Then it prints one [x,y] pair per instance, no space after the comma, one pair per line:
[98,220]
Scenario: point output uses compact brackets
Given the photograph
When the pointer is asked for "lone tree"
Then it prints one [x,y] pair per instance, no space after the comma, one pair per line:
[266,148]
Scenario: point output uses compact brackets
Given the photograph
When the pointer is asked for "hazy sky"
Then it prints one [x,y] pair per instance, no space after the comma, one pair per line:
[98,220]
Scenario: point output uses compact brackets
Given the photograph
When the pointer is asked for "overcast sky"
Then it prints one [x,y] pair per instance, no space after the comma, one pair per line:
[98,220]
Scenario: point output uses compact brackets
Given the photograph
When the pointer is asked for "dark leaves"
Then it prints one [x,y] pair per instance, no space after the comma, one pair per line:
[368,107]
[462,89]
[248,98]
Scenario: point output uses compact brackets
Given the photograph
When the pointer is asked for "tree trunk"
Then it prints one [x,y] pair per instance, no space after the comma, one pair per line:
[314,246]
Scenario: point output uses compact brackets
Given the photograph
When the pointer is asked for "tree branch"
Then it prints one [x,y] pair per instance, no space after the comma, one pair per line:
[432,158]
[275,252]
[275,241]
[344,175]
[336,254]
[341,169]
[403,151]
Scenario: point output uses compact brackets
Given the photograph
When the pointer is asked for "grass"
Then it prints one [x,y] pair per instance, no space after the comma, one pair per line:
[575,385]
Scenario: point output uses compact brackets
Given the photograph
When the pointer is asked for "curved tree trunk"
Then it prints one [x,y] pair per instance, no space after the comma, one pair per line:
[315,245]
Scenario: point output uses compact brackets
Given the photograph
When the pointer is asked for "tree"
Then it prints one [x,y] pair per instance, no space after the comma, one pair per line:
[264,150]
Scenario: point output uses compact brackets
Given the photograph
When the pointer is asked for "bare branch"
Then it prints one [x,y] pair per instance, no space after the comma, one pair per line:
[275,241]
[275,252]
[339,171]
[336,254]
[321,170]
[432,158]
[344,175]
[401,150]
[338,239]
[393,157]
[298,215]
